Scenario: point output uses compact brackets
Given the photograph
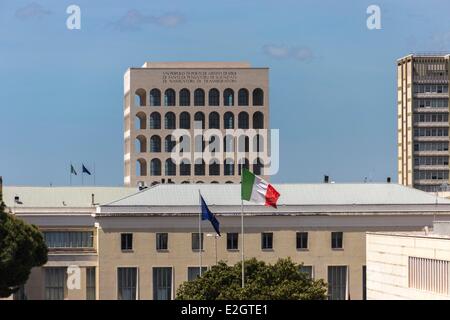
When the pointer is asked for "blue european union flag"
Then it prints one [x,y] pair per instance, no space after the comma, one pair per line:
[208,215]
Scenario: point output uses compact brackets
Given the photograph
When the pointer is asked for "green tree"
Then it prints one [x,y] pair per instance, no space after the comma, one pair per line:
[280,281]
[22,247]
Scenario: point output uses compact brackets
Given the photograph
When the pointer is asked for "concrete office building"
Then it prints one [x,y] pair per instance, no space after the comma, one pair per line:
[422,98]
[143,245]
[409,265]
[163,98]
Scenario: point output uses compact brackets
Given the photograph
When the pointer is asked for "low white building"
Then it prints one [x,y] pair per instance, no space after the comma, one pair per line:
[409,265]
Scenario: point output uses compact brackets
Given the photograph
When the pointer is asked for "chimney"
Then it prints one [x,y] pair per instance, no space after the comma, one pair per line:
[388,180]
[326,179]
[92,199]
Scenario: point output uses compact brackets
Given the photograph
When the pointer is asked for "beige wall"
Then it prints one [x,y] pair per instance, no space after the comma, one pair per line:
[387,264]
[150,78]
[180,256]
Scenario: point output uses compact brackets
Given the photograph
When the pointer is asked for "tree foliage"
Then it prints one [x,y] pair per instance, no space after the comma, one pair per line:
[22,247]
[280,281]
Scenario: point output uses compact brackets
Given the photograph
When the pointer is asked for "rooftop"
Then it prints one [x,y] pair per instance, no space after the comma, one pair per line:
[195,65]
[62,197]
[291,194]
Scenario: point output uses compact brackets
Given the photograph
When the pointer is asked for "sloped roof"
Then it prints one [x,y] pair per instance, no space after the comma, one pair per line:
[62,197]
[291,194]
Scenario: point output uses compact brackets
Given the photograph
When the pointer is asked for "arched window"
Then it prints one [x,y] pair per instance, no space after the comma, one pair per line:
[243,143]
[243,97]
[229,182]
[141,167]
[199,117]
[214,144]
[244,164]
[199,182]
[185,98]
[169,120]
[141,143]
[228,97]
[185,120]
[169,143]
[155,144]
[155,97]
[155,167]
[214,182]
[140,121]
[199,143]
[185,168]
[155,120]
[258,120]
[228,143]
[185,182]
[228,120]
[258,97]
[258,143]
[169,98]
[185,143]
[214,168]
[214,97]
[257,167]
[214,120]
[199,167]
[243,120]
[228,168]
[139,97]
[171,168]
[199,98]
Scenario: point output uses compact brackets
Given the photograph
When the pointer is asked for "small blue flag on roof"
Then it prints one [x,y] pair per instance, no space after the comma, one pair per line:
[85,170]
[208,215]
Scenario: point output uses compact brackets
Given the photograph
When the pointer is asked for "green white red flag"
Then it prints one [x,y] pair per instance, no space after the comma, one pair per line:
[257,190]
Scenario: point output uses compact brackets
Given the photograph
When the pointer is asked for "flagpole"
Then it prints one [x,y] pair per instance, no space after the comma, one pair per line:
[242,232]
[200,231]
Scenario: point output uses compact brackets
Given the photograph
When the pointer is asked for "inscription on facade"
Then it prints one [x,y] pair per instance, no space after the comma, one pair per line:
[199,77]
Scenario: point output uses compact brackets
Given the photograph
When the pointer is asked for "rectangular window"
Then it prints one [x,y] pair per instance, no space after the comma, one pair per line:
[232,241]
[364,282]
[194,272]
[337,240]
[90,283]
[69,239]
[162,283]
[196,243]
[308,270]
[162,240]
[267,240]
[337,282]
[55,280]
[302,240]
[126,241]
[127,283]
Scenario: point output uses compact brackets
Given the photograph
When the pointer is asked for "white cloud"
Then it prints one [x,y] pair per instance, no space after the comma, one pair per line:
[134,20]
[284,52]
[31,11]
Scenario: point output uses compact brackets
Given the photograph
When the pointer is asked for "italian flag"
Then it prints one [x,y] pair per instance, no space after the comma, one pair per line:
[255,189]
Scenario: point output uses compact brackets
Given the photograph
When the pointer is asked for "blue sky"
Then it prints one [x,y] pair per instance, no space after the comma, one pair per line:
[335,100]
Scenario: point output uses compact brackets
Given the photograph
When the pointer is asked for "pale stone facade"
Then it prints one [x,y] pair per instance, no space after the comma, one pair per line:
[408,265]
[162,98]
